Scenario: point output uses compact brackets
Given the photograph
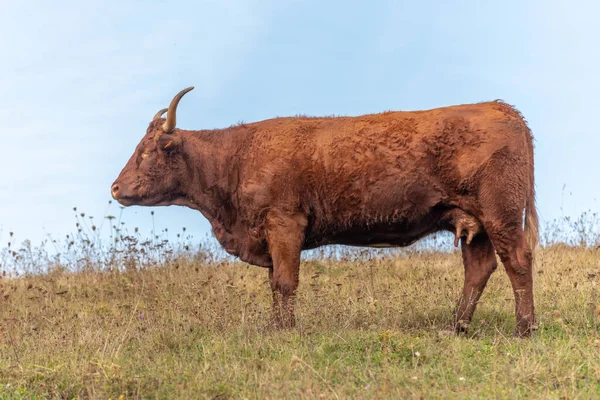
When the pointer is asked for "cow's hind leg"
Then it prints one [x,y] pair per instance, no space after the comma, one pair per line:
[285,235]
[511,244]
[502,196]
[479,259]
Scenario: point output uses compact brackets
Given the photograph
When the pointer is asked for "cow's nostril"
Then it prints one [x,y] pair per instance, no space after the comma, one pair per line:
[115,190]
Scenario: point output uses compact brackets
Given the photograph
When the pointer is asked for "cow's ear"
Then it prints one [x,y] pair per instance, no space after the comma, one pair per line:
[168,143]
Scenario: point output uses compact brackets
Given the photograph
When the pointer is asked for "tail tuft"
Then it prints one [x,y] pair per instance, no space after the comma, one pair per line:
[531,222]
[531,216]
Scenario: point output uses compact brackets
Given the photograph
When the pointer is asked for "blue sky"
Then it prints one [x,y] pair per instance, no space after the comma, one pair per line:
[80,81]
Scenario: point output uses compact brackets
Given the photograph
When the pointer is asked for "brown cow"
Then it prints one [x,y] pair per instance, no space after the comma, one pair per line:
[273,188]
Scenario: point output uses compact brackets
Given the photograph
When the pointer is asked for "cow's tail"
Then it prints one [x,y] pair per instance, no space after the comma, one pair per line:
[531,217]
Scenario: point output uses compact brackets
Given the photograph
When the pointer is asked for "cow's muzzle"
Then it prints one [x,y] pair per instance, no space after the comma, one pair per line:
[121,193]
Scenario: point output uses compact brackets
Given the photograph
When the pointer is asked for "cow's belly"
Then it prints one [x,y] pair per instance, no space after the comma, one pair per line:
[373,238]
[397,234]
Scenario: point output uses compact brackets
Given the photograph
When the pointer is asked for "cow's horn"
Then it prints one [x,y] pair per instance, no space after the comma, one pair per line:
[169,125]
[160,113]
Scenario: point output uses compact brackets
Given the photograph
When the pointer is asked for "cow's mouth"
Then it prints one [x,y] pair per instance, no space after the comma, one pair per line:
[137,201]
[148,201]
[125,201]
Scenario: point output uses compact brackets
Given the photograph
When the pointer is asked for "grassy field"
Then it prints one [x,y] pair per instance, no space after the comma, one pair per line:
[370,329]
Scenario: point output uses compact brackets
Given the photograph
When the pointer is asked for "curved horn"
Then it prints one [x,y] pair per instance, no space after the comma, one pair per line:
[160,113]
[169,125]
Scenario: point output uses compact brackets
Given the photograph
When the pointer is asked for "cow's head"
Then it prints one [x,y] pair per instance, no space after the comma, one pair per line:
[156,172]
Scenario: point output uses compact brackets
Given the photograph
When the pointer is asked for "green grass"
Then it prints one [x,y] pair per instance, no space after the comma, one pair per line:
[365,329]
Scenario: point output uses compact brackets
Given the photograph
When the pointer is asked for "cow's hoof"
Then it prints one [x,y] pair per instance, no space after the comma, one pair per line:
[461,327]
[525,332]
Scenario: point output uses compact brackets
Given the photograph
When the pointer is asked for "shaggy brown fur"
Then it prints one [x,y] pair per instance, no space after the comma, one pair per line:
[273,188]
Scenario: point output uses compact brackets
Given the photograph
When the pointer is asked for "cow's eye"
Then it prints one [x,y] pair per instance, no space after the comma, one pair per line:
[146,154]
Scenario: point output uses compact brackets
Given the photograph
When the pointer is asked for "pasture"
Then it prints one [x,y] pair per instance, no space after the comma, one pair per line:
[191,326]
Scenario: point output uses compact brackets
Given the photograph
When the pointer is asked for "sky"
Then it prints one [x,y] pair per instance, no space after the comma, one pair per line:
[80,81]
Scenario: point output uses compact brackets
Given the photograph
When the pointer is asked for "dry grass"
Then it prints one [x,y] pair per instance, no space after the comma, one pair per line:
[366,329]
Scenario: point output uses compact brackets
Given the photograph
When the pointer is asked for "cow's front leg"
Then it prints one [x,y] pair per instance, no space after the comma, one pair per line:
[285,235]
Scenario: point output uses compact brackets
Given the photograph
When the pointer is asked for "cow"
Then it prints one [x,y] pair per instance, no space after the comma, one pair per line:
[274,188]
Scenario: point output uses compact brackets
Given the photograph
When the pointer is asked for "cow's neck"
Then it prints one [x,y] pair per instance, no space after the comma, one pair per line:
[212,159]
